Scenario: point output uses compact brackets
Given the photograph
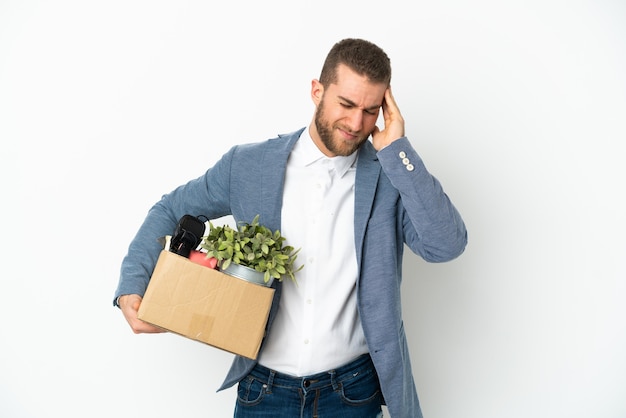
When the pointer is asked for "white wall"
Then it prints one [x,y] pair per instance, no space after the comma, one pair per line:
[517,107]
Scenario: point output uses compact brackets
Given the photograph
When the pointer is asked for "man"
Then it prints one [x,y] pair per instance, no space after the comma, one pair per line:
[335,345]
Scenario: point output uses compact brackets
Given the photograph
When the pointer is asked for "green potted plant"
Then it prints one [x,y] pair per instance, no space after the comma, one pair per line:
[252,246]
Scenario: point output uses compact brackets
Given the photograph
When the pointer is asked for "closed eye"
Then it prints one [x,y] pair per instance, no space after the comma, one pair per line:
[372,111]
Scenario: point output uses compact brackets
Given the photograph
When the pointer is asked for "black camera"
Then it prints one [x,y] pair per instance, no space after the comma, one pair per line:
[187,235]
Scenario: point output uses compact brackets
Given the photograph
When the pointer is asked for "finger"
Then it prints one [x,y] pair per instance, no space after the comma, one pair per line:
[390,105]
[140,327]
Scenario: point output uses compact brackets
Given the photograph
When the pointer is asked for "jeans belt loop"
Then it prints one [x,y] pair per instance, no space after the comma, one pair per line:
[270,381]
[333,380]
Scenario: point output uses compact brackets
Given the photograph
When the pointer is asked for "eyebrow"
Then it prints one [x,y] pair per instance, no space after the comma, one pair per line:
[351,103]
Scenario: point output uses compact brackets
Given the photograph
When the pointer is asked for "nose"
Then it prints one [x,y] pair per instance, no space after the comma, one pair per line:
[355,120]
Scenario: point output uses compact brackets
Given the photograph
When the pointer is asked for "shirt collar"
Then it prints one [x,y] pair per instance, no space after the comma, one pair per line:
[306,153]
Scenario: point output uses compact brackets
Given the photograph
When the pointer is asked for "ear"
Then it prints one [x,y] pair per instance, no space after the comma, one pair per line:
[317,91]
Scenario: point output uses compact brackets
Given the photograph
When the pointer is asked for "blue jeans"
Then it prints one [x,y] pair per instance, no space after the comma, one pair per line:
[351,391]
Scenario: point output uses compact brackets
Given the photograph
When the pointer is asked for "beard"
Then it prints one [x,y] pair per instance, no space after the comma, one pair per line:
[326,129]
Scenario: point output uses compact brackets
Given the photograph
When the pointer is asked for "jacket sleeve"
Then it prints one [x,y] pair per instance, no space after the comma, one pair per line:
[432,226]
[207,195]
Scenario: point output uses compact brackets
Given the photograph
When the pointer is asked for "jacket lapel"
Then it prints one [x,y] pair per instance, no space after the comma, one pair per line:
[367,174]
[272,180]
[271,186]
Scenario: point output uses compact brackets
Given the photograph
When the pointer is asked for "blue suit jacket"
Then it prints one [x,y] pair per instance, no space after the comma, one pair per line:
[397,202]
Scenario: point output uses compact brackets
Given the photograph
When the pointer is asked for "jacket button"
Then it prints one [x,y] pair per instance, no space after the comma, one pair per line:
[406,161]
[402,154]
[410,167]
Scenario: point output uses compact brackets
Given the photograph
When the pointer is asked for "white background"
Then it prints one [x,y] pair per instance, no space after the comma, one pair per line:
[518,107]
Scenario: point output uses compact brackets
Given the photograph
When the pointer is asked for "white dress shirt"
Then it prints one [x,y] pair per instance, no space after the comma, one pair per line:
[317,326]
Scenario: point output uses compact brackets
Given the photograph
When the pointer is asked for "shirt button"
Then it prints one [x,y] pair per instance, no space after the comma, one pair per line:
[410,167]
[306,341]
[402,154]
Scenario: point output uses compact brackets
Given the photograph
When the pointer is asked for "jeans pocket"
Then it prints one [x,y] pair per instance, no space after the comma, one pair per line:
[251,391]
[361,388]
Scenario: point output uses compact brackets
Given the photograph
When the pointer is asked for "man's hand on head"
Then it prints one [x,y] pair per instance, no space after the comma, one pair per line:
[394,123]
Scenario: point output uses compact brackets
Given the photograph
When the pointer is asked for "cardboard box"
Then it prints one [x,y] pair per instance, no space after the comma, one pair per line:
[207,305]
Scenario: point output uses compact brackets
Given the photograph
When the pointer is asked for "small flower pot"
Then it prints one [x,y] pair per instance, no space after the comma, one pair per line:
[247,273]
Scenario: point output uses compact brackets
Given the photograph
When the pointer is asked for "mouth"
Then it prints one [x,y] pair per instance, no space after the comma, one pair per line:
[347,135]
